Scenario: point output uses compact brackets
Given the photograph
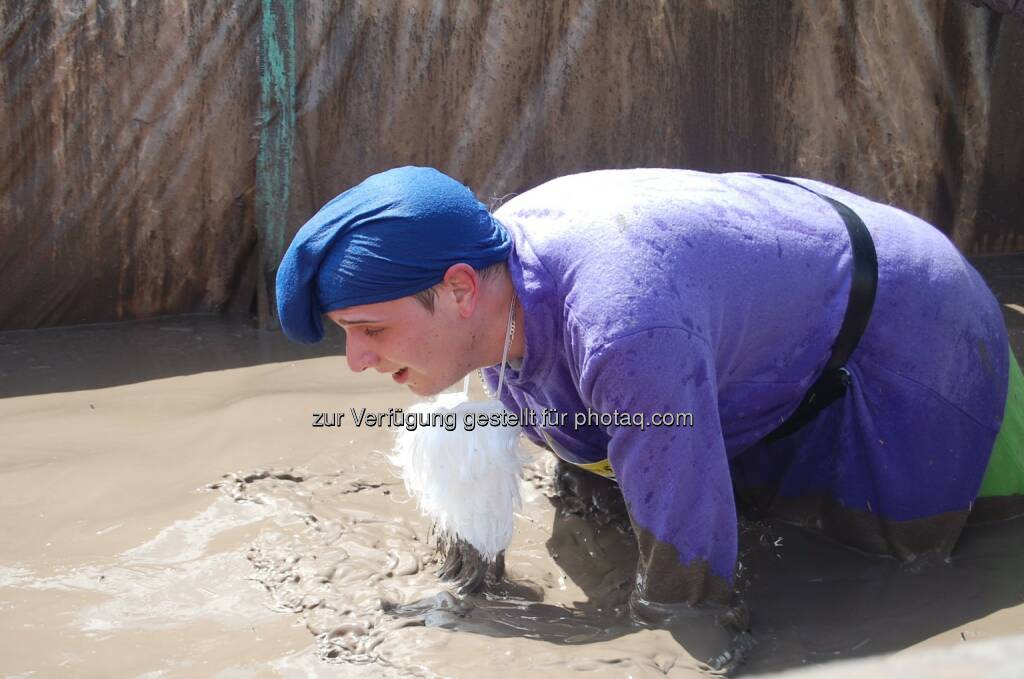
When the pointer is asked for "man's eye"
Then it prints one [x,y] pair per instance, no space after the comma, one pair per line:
[372,333]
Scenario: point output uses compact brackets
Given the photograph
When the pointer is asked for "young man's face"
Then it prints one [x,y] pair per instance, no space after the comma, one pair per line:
[425,351]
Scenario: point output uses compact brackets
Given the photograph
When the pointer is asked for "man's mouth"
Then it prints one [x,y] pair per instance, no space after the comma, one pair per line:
[400,375]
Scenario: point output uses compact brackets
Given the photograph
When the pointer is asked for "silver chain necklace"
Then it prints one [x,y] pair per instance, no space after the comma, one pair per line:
[510,334]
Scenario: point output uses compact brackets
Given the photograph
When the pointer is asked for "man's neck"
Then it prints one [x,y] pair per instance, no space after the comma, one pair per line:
[501,295]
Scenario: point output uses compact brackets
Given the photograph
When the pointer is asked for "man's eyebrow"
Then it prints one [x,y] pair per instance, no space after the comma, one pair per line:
[358,321]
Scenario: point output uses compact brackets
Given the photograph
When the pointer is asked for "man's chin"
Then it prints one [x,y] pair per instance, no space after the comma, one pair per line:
[420,392]
[423,389]
[427,390]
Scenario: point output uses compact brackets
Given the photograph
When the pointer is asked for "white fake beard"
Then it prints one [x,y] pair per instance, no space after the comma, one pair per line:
[467,482]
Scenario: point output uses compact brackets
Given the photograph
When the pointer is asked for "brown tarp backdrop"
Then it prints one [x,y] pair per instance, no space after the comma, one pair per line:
[156,156]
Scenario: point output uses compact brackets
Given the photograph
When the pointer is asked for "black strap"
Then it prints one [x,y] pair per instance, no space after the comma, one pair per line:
[833,381]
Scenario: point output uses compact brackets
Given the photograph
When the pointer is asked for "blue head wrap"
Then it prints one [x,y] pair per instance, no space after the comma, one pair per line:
[393,235]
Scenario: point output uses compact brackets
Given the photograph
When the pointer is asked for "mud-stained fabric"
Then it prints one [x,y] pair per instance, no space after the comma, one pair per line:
[719,296]
[663,577]
[867,531]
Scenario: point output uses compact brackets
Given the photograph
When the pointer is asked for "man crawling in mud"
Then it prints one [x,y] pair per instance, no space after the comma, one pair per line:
[843,366]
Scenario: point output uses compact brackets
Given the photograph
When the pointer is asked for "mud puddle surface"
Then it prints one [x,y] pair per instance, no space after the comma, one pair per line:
[358,568]
[201,526]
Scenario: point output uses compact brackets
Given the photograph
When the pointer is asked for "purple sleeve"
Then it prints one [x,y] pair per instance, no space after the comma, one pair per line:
[675,479]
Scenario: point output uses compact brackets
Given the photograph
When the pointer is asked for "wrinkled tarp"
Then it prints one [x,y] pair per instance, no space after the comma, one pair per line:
[151,150]
[1009,6]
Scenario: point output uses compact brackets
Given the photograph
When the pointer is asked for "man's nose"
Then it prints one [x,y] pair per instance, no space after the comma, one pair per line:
[359,357]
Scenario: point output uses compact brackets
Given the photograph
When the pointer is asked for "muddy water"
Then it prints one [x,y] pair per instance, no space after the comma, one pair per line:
[201,526]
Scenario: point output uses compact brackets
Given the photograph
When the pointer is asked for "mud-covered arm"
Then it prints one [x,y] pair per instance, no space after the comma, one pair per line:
[674,478]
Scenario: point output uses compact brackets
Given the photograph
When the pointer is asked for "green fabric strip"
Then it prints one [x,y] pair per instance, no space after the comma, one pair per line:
[276,145]
[1005,472]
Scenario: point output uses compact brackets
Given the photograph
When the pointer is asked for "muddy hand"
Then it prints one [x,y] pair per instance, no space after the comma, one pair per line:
[736,621]
[467,568]
[718,637]
[730,660]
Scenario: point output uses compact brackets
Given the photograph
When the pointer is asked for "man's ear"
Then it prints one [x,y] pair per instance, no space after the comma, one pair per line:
[463,283]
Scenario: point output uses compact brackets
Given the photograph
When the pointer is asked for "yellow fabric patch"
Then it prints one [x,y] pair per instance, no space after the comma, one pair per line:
[601,468]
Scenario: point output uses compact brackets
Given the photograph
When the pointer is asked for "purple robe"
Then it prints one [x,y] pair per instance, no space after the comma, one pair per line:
[671,291]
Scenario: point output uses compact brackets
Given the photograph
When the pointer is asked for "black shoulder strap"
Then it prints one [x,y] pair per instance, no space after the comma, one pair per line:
[833,381]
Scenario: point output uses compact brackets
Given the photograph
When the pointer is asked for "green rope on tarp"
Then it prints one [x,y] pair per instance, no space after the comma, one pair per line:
[276,144]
